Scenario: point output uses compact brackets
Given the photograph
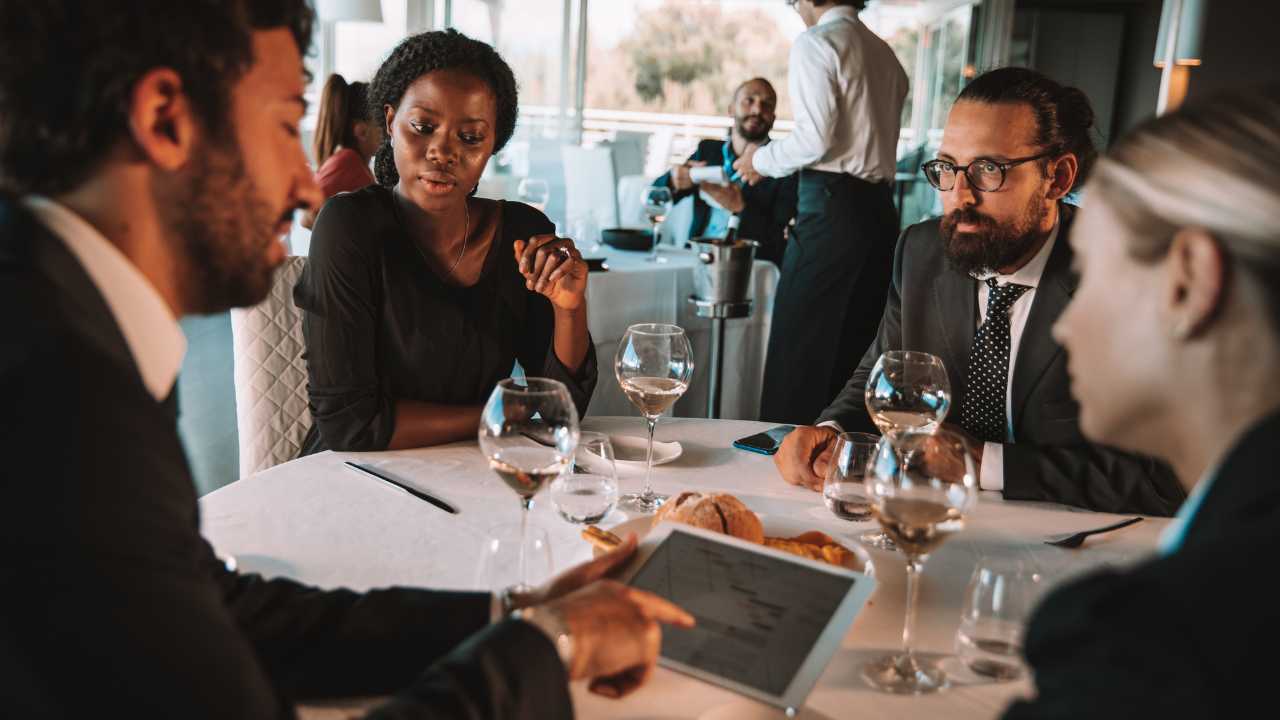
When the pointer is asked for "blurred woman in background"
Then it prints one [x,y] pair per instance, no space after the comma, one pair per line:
[347,136]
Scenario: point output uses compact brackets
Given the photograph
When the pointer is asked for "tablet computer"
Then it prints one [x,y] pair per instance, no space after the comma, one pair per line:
[767,622]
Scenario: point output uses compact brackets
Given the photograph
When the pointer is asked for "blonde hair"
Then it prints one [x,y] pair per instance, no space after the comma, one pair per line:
[1214,166]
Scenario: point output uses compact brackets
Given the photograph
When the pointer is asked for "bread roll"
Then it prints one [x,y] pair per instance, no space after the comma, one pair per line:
[719,512]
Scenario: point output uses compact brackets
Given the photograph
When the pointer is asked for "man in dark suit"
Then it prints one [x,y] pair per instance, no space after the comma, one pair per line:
[149,163]
[981,288]
[764,209]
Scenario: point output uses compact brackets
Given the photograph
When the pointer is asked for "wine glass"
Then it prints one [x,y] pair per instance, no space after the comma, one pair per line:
[654,364]
[906,389]
[589,491]
[535,192]
[920,484]
[528,431]
[843,490]
[657,202]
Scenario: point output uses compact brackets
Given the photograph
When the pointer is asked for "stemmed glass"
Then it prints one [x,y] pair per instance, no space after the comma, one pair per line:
[920,484]
[657,202]
[528,431]
[905,390]
[843,490]
[654,364]
[535,192]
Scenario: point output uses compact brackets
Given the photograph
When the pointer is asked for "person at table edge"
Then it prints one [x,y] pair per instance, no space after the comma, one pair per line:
[765,209]
[164,190]
[981,288]
[847,93]
[418,298]
[1179,232]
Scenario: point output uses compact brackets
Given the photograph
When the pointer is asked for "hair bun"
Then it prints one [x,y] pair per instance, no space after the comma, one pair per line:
[1075,109]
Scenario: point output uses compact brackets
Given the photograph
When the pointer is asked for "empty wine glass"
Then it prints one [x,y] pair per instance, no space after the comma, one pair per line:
[535,192]
[654,364]
[843,489]
[528,431]
[589,491]
[657,202]
[920,484]
[512,556]
[905,390]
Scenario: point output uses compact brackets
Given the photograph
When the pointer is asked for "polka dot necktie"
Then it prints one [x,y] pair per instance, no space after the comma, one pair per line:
[982,407]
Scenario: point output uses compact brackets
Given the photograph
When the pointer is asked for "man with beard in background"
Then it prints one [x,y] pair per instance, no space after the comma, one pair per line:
[763,209]
[981,288]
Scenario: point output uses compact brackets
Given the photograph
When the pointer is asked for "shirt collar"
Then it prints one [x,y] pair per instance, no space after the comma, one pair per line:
[1030,273]
[154,337]
[839,12]
[1175,533]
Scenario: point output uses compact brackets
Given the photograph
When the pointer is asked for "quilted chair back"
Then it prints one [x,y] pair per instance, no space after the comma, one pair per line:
[271,377]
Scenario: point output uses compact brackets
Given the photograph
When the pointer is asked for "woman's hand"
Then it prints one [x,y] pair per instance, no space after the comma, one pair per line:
[553,267]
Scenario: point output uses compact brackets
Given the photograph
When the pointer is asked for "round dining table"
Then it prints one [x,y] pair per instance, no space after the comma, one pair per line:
[316,521]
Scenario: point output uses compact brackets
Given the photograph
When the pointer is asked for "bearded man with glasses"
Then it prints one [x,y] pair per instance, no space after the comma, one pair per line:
[985,299]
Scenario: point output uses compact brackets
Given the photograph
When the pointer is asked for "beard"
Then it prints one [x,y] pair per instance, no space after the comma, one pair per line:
[224,228]
[755,137]
[995,245]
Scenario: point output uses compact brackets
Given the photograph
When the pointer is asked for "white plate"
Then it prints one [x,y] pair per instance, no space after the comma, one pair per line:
[630,450]
[774,526]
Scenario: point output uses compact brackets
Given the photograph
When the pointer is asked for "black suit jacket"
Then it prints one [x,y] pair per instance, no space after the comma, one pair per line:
[932,307]
[1192,634]
[769,205]
[112,602]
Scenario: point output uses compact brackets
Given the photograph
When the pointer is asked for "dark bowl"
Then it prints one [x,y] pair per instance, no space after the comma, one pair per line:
[628,238]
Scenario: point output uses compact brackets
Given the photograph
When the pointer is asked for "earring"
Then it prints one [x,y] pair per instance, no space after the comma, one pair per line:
[1181,330]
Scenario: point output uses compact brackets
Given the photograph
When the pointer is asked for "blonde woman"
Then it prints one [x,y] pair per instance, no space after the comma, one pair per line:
[1174,344]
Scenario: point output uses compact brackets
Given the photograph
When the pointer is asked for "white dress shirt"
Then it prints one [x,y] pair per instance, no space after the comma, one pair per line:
[847,92]
[991,474]
[154,336]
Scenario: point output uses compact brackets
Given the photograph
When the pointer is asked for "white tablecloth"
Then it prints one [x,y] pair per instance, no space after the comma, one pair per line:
[635,291]
[317,522]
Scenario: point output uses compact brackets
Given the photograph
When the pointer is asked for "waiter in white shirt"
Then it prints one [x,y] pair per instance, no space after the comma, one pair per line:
[847,92]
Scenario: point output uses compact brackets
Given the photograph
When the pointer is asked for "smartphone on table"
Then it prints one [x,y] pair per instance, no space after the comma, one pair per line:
[765,443]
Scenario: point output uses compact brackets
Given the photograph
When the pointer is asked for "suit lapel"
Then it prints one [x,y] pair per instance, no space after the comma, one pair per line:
[82,305]
[955,298]
[1037,348]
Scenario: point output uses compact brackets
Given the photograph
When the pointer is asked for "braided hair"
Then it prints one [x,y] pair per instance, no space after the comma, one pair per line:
[427,52]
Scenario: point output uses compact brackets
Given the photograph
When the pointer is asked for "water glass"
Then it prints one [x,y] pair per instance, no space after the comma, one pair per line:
[843,490]
[589,491]
[997,605]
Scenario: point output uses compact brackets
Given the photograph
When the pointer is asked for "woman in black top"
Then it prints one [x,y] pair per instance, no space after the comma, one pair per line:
[418,298]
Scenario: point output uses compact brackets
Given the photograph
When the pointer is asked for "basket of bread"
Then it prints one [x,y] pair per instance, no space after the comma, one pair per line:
[726,514]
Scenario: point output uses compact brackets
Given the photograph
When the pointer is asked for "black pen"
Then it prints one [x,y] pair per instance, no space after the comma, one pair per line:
[416,493]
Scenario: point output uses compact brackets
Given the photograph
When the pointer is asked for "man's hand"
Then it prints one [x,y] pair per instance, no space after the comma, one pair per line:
[616,634]
[729,196]
[680,180]
[746,167]
[805,455]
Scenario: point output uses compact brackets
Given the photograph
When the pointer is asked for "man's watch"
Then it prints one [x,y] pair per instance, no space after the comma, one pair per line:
[552,624]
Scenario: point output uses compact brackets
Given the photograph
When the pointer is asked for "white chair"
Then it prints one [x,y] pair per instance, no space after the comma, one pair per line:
[272,417]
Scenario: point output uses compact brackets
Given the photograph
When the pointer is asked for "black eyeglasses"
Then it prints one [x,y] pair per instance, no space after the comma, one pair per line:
[984,174]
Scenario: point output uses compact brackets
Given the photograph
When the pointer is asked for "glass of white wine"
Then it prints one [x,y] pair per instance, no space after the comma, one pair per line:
[528,431]
[654,364]
[905,390]
[657,201]
[920,484]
